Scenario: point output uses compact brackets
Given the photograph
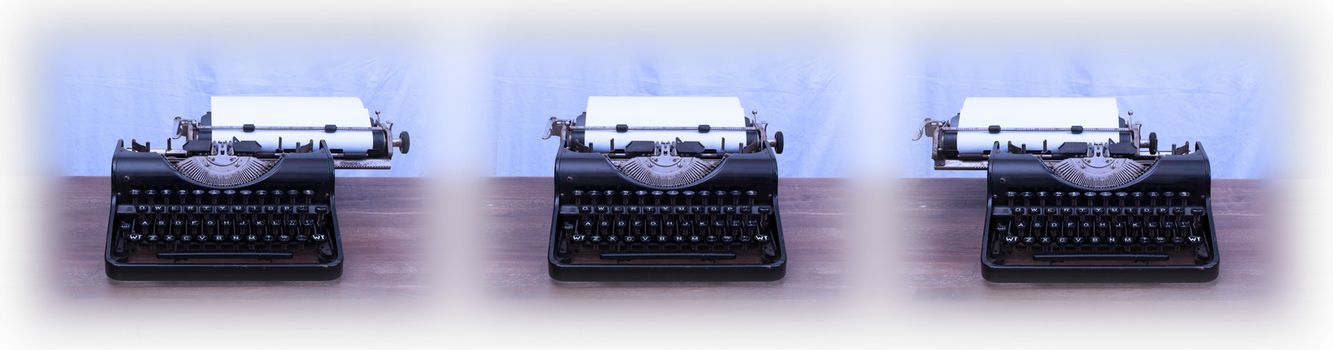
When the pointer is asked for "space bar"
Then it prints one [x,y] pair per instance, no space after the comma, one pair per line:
[224,255]
[669,255]
[1095,256]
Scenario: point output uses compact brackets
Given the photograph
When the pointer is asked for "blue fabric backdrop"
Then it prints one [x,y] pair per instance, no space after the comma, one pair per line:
[1229,98]
[1225,98]
[799,95]
[96,95]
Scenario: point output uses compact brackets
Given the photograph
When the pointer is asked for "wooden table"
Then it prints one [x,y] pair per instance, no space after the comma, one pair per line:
[944,261]
[378,217]
[937,230]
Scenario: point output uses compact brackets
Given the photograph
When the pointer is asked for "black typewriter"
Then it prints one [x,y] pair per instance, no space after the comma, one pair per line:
[236,209]
[1120,210]
[669,202]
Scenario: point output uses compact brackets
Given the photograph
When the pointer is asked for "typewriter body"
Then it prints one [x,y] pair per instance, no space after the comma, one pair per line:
[241,201]
[1075,202]
[665,188]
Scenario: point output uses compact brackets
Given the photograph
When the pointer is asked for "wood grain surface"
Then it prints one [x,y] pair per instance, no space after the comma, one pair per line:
[937,255]
[947,218]
[380,240]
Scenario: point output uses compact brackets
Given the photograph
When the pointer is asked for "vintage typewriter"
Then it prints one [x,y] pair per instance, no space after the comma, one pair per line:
[247,195]
[665,188]
[1074,194]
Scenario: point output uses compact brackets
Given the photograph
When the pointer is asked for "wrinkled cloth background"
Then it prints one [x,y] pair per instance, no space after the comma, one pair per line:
[1228,99]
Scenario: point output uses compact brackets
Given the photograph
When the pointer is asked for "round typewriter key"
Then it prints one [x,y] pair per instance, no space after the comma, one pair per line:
[1042,194]
[578,238]
[646,238]
[694,239]
[1011,239]
[704,193]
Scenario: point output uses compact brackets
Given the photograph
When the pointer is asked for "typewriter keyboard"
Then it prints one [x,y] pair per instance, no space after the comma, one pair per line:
[678,227]
[219,226]
[1051,227]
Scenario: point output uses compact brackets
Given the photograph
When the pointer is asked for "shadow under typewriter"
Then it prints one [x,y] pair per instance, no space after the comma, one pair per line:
[665,211]
[1113,211]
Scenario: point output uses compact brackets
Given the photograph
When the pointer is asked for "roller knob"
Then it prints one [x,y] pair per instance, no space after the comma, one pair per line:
[404,142]
[777,142]
[1152,143]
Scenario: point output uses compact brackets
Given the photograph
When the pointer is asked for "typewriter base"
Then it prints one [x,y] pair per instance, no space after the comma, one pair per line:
[1098,274]
[668,273]
[204,272]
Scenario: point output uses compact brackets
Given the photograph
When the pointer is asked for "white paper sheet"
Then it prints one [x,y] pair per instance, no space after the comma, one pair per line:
[665,111]
[1035,112]
[294,111]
